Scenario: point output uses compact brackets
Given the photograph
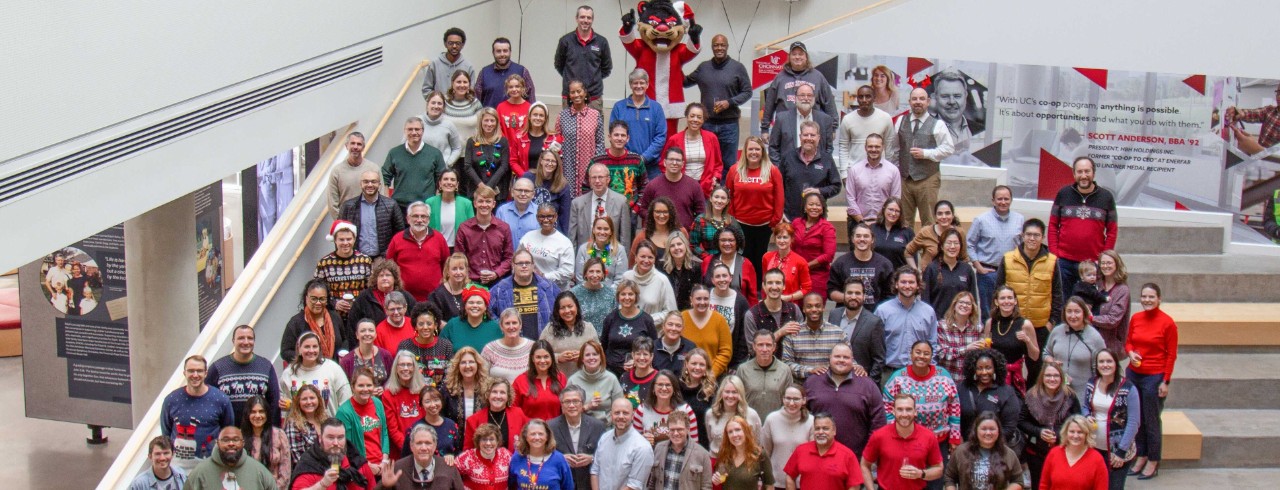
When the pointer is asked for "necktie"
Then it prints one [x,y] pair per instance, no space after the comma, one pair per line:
[916,127]
[599,207]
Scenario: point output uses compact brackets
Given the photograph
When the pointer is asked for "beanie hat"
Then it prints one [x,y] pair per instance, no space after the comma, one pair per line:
[476,290]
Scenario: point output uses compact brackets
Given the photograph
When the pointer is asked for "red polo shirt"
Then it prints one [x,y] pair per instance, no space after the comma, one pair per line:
[837,470]
[887,450]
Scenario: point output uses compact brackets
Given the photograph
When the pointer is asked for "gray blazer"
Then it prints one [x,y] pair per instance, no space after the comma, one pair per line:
[783,134]
[697,471]
[589,434]
[867,341]
[582,212]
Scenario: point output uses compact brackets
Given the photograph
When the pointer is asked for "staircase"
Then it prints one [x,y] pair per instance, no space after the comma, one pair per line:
[1222,418]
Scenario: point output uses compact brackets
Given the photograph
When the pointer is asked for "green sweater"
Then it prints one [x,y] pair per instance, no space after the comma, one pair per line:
[462,334]
[355,433]
[250,474]
[412,176]
[462,211]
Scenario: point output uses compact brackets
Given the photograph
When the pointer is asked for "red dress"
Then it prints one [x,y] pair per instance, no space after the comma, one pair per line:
[795,270]
[816,243]
[511,118]
[544,405]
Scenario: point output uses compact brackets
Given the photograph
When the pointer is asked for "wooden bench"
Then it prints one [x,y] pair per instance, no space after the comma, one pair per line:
[1224,324]
[1182,439]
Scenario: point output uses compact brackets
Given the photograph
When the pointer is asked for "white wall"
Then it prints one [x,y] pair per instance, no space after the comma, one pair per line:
[1224,37]
[99,70]
[745,22]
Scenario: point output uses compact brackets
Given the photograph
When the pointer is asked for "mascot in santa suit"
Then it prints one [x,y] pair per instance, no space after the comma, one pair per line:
[656,39]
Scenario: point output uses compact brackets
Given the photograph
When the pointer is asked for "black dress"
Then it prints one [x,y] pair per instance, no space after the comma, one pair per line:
[682,281]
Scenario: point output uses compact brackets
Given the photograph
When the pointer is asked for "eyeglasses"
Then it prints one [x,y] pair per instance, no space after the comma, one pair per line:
[571,402]
[231,440]
[546,217]
[318,299]
[523,264]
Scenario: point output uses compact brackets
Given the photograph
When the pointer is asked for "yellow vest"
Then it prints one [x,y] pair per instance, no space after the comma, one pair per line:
[1033,284]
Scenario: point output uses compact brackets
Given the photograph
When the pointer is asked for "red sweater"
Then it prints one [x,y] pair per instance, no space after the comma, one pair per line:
[713,163]
[515,422]
[1089,473]
[420,265]
[511,118]
[545,406]
[389,337]
[403,409]
[753,201]
[1154,336]
[795,272]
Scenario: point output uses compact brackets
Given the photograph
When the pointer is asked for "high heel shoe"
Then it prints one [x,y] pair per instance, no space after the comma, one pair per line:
[1136,470]
[1152,475]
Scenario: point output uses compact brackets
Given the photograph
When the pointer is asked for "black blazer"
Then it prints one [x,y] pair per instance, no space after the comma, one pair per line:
[782,136]
[588,436]
[867,341]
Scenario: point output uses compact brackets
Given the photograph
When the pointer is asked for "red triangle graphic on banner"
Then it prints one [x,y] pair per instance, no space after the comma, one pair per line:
[1095,75]
[1180,207]
[1196,82]
[914,65]
[1054,174]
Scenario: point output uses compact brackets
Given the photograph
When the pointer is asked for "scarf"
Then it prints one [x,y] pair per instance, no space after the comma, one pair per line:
[1049,410]
[324,331]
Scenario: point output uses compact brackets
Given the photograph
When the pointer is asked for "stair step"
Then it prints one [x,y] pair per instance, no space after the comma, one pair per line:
[1225,381]
[1231,439]
[1202,478]
[1207,278]
[1224,324]
[1138,235]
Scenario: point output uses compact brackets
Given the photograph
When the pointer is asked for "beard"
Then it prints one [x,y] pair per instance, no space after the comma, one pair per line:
[804,106]
[230,458]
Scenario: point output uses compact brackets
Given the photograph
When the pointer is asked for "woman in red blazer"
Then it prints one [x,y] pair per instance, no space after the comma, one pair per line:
[702,159]
[498,411]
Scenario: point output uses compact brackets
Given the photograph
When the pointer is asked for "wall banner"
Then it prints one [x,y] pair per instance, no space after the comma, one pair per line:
[1160,140]
[75,336]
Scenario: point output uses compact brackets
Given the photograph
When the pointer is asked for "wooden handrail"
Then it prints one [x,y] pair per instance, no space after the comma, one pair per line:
[373,135]
[777,43]
[115,477]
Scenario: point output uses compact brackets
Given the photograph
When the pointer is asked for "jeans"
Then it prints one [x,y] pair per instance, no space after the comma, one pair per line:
[1069,273]
[986,292]
[945,448]
[1151,431]
[727,133]
[1115,476]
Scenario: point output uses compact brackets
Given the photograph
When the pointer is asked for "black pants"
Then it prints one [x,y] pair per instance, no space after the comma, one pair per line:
[757,243]
[1115,476]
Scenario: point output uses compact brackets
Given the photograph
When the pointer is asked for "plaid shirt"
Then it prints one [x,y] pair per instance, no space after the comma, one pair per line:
[671,467]
[951,346]
[1269,116]
[808,349]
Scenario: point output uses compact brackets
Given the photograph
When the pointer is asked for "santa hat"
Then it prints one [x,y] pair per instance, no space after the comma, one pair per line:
[339,225]
[685,11]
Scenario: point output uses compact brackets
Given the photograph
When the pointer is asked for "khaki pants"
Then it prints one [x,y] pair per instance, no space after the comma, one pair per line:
[598,105]
[921,195]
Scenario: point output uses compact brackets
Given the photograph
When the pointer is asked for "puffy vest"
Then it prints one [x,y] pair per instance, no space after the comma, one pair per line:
[1034,284]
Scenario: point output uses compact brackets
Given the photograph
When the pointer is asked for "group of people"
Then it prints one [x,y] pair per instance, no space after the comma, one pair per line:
[599,306]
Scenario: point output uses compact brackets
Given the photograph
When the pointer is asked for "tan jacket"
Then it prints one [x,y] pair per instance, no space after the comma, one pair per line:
[696,474]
